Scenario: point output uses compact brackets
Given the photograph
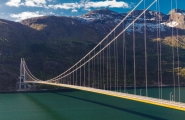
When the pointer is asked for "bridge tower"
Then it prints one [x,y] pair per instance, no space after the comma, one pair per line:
[22,85]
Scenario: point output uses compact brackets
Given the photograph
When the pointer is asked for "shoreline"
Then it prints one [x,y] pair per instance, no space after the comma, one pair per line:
[71,90]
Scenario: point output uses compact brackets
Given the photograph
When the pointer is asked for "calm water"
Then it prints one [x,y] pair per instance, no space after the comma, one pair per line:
[81,105]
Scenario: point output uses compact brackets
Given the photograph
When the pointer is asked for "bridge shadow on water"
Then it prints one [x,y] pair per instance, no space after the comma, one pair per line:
[44,107]
[112,107]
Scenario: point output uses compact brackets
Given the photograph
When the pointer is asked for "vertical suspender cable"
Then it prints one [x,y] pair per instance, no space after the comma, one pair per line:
[115,86]
[124,59]
[158,62]
[178,58]
[89,72]
[70,78]
[173,64]
[107,66]
[134,57]
[100,68]
[76,82]
[94,79]
[92,73]
[146,70]
[160,56]
[98,71]
[117,57]
[103,68]
[84,75]
[80,75]
[110,67]
[73,77]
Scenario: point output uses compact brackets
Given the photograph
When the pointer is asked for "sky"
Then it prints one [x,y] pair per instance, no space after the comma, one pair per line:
[17,10]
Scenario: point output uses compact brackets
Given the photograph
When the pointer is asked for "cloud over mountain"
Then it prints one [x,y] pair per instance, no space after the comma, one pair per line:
[27,14]
[83,4]
[28,3]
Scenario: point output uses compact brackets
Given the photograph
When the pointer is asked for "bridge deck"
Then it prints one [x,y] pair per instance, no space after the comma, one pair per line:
[149,100]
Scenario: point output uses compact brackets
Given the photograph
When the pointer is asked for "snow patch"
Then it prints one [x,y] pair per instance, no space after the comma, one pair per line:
[182,13]
[139,27]
[117,20]
[170,24]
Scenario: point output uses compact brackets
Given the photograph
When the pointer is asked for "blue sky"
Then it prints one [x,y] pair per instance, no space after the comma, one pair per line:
[17,10]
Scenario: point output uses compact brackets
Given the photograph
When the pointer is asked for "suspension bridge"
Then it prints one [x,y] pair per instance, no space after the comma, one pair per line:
[102,70]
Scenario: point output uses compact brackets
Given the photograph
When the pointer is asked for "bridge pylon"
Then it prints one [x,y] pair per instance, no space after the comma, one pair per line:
[22,85]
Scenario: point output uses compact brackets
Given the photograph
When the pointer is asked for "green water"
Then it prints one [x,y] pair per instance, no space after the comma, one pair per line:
[81,105]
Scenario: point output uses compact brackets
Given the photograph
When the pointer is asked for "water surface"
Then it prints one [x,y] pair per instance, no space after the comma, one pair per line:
[81,105]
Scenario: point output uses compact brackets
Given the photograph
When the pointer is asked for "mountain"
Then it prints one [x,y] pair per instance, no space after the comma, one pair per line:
[51,44]
[177,16]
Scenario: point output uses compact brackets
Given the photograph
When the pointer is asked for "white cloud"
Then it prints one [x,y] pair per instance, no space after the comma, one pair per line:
[29,3]
[74,10]
[66,6]
[86,4]
[25,15]
[111,4]
[15,3]
[35,3]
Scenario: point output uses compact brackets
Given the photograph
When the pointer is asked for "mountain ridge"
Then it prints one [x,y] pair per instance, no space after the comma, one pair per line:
[104,20]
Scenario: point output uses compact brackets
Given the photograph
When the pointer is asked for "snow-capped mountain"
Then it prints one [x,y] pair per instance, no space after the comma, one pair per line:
[102,21]
[153,20]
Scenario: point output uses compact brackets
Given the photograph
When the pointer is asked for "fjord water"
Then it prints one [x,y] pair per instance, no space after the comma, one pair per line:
[81,105]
